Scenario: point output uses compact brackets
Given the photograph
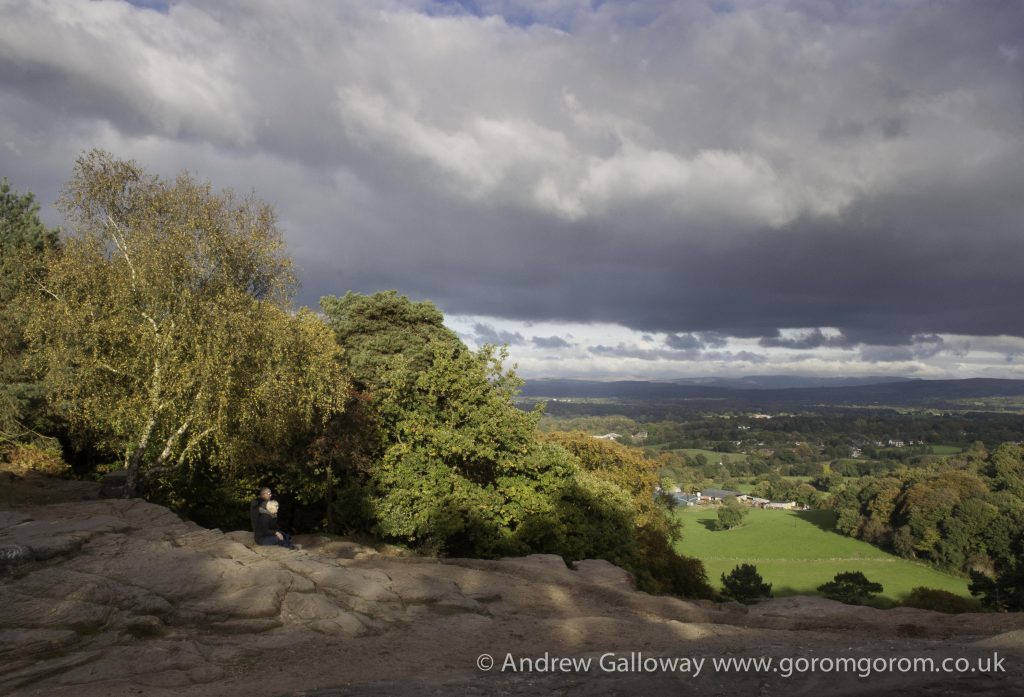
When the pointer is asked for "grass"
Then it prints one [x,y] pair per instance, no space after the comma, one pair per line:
[797,551]
[945,450]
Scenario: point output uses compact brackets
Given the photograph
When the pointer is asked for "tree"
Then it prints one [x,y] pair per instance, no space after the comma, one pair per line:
[731,514]
[23,241]
[745,585]
[850,587]
[449,464]
[164,326]
[1002,593]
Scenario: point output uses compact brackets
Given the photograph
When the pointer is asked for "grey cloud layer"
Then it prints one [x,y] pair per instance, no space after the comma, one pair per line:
[660,165]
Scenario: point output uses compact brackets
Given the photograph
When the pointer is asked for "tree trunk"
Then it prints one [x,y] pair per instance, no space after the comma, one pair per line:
[330,501]
[131,482]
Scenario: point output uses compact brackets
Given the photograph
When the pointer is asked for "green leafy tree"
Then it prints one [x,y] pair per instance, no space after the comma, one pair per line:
[164,329]
[23,242]
[850,587]
[1004,592]
[731,514]
[745,585]
[446,460]
[1006,467]
[449,464]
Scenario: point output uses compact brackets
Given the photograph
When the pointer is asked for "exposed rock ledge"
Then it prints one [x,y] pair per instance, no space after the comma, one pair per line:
[122,597]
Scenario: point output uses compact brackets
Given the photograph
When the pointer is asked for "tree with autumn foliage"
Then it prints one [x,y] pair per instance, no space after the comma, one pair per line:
[164,329]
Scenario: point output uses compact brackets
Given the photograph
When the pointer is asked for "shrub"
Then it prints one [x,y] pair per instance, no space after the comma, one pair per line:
[850,587]
[940,601]
[745,585]
[21,458]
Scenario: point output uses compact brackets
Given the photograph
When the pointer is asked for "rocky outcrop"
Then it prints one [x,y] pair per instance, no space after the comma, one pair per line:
[107,595]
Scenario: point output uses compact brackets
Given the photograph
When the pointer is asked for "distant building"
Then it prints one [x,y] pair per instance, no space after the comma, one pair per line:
[677,496]
[782,505]
[716,495]
[609,436]
[685,499]
[639,437]
[756,501]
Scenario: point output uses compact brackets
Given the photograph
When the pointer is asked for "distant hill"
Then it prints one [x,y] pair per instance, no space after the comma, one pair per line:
[778,382]
[741,392]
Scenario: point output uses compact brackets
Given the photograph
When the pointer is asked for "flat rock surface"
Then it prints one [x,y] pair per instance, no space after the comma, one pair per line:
[122,597]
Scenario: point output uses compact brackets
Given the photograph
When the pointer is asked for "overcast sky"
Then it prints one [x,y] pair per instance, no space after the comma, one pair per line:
[614,189]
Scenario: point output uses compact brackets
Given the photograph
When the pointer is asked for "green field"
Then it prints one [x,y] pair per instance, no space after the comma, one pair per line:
[945,450]
[796,551]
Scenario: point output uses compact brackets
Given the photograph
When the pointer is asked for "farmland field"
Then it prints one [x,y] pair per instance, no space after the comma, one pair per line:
[796,551]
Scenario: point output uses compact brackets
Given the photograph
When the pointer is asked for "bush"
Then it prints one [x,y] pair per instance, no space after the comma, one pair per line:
[21,458]
[731,514]
[745,585]
[940,601]
[850,587]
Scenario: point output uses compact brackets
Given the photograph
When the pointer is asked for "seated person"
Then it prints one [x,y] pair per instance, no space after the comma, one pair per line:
[267,532]
[256,504]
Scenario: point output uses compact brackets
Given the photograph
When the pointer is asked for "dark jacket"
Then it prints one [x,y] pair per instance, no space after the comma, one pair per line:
[265,525]
[254,511]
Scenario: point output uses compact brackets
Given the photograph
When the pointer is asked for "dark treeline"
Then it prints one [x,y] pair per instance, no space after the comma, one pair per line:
[687,427]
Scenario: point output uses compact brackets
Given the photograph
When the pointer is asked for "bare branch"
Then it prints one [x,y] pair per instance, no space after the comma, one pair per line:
[149,319]
[48,291]
[192,443]
[112,369]
[172,441]
[122,245]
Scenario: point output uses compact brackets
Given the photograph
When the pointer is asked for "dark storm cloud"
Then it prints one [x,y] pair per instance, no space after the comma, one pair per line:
[550,342]
[920,347]
[683,341]
[809,340]
[666,166]
[486,334]
[714,339]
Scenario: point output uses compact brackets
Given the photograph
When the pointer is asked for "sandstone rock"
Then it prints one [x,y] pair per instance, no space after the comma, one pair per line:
[112,484]
[604,573]
[21,610]
[8,519]
[245,626]
[128,598]
[40,669]
[22,643]
[14,554]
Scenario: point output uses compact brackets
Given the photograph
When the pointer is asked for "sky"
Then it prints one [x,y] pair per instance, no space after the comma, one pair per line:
[649,189]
